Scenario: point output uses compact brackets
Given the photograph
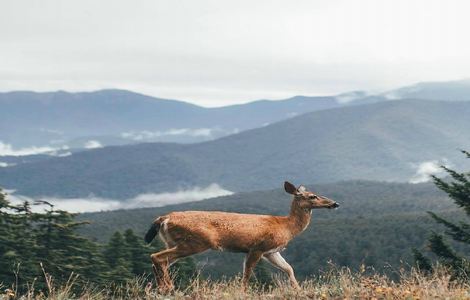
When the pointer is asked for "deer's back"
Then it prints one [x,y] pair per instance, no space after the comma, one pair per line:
[227,231]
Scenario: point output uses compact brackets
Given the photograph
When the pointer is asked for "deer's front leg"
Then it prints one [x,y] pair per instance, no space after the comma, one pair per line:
[161,263]
[279,262]
[251,260]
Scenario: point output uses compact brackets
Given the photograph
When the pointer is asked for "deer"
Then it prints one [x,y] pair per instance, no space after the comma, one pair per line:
[186,233]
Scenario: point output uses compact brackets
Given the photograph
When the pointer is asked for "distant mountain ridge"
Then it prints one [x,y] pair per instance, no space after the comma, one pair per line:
[382,141]
[458,90]
[116,117]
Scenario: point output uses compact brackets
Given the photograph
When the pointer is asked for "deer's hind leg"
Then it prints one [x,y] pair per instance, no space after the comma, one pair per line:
[164,259]
[161,262]
[251,259]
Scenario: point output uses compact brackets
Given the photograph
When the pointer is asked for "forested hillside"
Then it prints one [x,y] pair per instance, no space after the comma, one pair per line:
[114,117]
[377,224]
[384,141]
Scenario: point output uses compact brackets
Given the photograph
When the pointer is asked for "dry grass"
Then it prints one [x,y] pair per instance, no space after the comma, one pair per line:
[335,284]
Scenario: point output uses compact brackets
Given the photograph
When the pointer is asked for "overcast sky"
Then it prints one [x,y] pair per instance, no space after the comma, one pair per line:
[220,52]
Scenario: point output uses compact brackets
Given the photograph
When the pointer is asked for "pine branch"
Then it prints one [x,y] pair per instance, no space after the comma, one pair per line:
[443,250]
[423,263]
[466,153]
[458,233]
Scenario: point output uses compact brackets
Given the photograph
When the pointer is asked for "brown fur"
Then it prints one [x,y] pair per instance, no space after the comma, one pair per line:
[260,236]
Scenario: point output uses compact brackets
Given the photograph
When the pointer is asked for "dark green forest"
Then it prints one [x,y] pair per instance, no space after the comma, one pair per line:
[377,225]
[35,245]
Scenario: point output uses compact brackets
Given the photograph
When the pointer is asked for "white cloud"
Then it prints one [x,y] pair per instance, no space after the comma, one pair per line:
[61,153]
[91,203]
[206,132]
[425,169]
[4,164]
[149,135]
[392,96]
[403,92]
[351,96]
[8,150]
[195,194]
[93,144]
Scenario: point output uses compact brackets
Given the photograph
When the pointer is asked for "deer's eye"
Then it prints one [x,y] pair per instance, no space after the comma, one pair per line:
[313,197]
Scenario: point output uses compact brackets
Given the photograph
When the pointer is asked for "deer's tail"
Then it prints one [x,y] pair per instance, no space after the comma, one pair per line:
[152,232]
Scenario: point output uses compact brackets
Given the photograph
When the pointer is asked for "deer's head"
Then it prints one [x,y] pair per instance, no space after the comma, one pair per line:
[307,199]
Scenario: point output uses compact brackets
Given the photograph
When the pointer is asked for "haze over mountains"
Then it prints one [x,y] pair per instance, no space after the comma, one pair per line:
[386,140]
[58,122]
[113,117]
[442,91]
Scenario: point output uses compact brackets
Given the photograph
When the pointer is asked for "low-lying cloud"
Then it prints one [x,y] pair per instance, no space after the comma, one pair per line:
[8,150]
[351,96]
[402,93]
[93,144]
[425,169]
[91,204]
[149,135]
[4,164]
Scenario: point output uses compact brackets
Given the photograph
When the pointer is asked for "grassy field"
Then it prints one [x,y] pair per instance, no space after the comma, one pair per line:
[334,284]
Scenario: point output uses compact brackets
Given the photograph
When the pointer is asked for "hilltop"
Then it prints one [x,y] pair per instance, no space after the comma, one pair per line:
[385,141]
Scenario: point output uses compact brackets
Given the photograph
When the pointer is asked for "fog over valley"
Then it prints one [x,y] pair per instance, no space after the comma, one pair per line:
[92,204]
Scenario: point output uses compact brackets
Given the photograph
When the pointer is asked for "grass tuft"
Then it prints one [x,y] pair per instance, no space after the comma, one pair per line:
[337,283]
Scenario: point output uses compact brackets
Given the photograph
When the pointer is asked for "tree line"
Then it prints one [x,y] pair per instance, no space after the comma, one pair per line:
[33,244]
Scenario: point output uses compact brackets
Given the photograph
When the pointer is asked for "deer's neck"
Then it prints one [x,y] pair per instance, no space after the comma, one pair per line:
[299,218]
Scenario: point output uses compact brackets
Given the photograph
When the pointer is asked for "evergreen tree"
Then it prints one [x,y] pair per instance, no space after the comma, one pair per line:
[138,252]
[422,262]
[458,189]
[116,250]
[60,249]
[28,239]
[19,244]
[116,255]
[7,238]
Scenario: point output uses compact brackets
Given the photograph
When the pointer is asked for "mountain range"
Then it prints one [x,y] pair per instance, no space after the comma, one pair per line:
[61,122]
[384,141]
[114,117]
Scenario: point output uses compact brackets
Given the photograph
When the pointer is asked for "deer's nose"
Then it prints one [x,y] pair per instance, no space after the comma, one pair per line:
[335,205]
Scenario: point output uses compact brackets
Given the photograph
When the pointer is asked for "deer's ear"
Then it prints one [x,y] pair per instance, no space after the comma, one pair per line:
[290,188]
[302,188]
